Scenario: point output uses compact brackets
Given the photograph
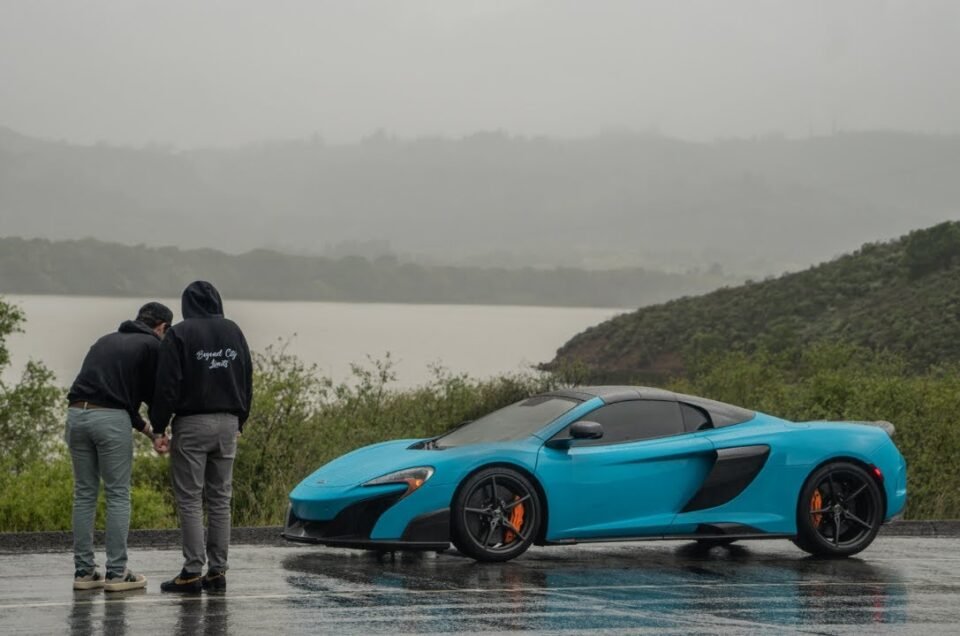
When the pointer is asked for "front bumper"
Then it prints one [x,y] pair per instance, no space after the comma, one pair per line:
[352,526]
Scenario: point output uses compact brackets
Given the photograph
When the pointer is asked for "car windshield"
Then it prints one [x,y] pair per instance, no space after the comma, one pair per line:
[513,422]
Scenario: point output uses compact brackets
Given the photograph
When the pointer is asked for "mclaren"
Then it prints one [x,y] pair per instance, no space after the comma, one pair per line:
[609,463]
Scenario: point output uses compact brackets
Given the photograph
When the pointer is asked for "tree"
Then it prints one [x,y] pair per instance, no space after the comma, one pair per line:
[30,410]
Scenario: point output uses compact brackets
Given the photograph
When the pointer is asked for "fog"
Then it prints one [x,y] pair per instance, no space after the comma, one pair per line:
[228,72]
[737,139]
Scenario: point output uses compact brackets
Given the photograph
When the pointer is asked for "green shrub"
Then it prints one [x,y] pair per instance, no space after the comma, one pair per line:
[30,410]
[41,496]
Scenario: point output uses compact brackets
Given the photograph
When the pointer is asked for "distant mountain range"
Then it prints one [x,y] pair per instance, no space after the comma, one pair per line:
[39,266]
[762,205]
[901,296]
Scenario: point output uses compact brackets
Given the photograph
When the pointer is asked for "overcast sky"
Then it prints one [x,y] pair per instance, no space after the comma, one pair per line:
[195,73]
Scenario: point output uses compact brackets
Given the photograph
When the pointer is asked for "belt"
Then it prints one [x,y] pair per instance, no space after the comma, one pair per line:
[87,406]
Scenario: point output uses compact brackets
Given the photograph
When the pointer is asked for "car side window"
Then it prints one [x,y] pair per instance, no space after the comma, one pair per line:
[633,421]
[694,419]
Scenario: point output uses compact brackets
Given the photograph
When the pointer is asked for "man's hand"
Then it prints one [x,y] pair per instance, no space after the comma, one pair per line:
[161,444]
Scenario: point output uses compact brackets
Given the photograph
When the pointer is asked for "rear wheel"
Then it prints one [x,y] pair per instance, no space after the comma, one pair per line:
[839,512]
[496,515]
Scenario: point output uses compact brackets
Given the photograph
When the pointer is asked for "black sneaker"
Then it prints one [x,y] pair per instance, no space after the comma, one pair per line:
[184,582]
[87,580]
[215,581]
[124,581]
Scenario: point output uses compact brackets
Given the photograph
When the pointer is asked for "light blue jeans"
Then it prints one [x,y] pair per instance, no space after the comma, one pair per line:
[101,446]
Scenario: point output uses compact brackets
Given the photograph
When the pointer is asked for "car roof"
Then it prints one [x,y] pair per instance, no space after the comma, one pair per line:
[721,413]
[611,394]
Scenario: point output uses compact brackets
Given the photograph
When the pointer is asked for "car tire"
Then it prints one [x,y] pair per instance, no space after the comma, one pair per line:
[489,509]
[839,512]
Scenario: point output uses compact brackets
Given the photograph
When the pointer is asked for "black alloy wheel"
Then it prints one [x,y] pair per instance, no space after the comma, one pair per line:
[496,515]
[839,512]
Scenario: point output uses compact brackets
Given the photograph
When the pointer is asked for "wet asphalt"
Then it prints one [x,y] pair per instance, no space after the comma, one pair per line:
[898,585]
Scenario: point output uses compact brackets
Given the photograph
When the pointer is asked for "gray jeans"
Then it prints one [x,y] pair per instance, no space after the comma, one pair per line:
[202,452]
[101,447]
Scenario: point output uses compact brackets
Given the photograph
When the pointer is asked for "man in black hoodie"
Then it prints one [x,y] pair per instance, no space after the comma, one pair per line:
[116,377]
[204,381]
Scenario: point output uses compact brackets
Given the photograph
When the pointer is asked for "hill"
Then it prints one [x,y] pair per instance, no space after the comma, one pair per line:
[757,206]
[89,267]
[901,296]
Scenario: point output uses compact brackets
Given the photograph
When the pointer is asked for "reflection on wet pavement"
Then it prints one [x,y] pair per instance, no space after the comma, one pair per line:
[899,585]
[685,588]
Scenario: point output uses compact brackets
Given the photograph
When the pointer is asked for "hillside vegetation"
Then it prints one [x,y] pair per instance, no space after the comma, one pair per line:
[761,205]
[902,297]
[96,268]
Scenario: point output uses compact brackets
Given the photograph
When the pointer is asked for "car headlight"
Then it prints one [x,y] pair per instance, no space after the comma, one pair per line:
[412,477]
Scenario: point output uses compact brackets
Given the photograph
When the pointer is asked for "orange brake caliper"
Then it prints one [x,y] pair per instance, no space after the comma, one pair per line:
[516,518]
[816,503]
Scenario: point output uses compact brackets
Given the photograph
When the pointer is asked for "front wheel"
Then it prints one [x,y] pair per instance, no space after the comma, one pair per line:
[496,515]
[839,512]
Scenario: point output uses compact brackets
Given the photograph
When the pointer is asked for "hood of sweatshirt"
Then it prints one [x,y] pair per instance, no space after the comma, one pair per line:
[135,326]
[201,300]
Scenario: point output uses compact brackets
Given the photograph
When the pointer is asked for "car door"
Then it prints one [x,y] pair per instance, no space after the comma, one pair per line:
[631,482]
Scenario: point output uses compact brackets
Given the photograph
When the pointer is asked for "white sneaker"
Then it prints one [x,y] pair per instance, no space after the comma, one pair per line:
[126,581]
[87,580]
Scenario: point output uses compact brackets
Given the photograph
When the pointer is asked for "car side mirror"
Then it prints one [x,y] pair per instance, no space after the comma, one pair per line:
[586,430]
[579,430]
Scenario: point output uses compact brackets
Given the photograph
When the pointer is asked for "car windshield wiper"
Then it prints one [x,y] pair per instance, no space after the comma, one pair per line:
[428,444]
[431,444]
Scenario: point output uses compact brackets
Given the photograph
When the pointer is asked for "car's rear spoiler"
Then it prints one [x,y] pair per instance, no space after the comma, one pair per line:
[889,428]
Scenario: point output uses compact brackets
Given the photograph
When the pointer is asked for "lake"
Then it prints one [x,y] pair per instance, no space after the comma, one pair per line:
[480,340]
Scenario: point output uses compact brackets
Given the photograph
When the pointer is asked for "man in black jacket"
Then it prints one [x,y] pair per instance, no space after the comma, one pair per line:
[205,380]
[116,377]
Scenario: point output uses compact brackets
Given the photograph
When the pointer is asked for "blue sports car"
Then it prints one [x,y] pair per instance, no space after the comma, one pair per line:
[604,464]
